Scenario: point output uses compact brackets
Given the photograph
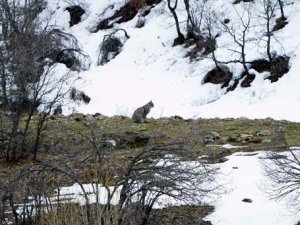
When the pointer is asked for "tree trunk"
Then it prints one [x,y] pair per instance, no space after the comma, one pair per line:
[281,9]
[180,39]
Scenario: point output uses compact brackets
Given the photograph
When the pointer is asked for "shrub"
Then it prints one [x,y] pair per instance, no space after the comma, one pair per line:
[79,96]
[110,47]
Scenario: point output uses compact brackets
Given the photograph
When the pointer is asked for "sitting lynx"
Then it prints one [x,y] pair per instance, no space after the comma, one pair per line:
[140,114]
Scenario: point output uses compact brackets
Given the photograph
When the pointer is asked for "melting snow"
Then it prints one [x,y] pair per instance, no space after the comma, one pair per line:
[245,177]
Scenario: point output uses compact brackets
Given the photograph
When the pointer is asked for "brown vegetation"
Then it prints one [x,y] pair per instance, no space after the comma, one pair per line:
[79,96]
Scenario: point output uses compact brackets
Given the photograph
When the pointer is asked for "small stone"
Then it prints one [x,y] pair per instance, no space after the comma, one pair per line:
[247,200]
[226,20]
[215,135]
[223,140]
[263,133]
[97,115]
[176,117]
[266,141]
[255,139]
[211,137]
[246,136]
[231,139]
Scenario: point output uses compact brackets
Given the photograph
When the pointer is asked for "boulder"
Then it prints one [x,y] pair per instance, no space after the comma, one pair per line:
[260,65]
[75,14]
[247,200]
[218,75]
[211,137]
[246,136]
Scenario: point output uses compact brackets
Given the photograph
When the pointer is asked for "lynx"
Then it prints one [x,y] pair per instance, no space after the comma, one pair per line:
[140,114]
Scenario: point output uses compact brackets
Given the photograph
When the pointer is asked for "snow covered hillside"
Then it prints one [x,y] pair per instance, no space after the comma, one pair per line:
[149,68]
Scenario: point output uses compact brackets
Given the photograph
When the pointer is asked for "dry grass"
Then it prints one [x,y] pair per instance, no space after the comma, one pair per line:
[62,146]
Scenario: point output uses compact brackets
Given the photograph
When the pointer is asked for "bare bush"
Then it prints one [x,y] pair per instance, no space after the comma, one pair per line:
[240,36]
[29,56]
[169,175]
[283,170]
[79,96]
[172,5]
[169,171]
[123,188]
[111,46]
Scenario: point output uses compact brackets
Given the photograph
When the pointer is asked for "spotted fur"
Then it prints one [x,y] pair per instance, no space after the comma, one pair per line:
[140,114]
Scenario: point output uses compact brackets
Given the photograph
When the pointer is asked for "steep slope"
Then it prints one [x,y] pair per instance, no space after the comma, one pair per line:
[148,67]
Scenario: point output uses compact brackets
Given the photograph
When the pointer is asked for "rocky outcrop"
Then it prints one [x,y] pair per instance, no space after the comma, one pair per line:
[218,75]
[75,14]
[125,13]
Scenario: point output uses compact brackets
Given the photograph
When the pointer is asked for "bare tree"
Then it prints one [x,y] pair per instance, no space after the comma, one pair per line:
[283,170]
[155,173]
[240,34]
[172,5]
[195,15]
[210,25]
[29,55]
[268,13]
[281,5]
[111,46]
[170,174]
[173,171]
[26,193]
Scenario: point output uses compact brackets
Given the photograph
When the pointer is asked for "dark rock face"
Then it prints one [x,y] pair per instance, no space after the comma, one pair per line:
[279,67]
[110,48]
[66,57]
[260,65]
[248,80]
[220,75]
[75,13]
[124,14]
[233,87]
